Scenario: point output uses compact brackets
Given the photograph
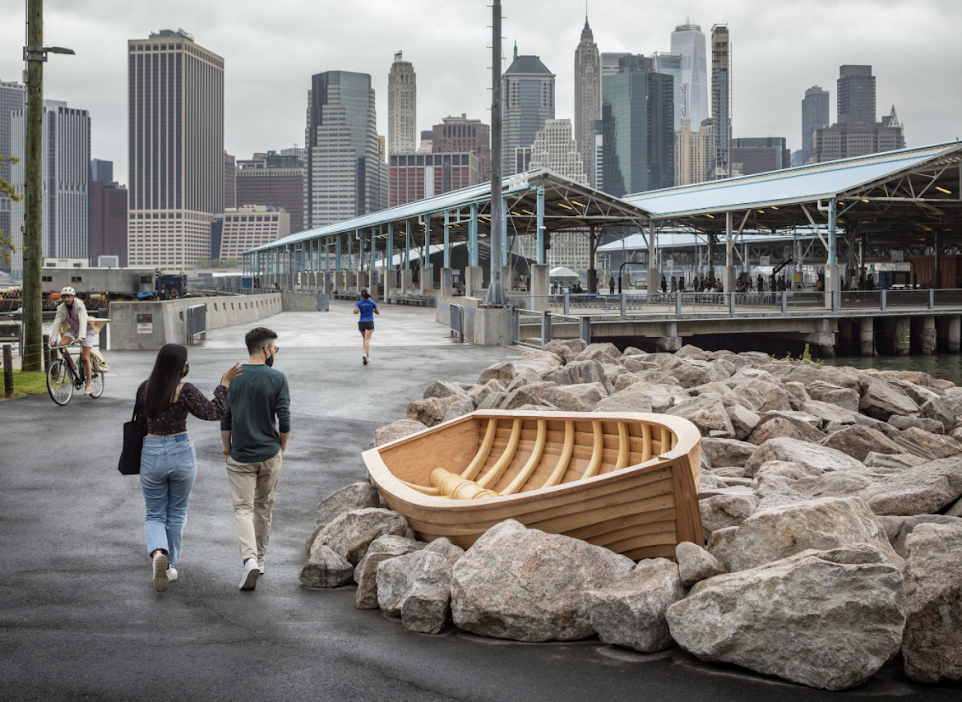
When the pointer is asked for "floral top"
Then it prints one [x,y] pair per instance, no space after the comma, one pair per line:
[173,420]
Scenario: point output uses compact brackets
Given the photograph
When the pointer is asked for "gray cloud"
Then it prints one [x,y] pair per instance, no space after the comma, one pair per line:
[271,49]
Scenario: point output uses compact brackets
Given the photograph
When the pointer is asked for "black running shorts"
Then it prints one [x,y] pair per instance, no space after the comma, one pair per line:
[365,326]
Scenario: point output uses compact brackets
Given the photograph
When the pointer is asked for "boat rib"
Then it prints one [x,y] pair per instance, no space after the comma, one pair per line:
[562,467]
[496,471]
[597,453]
[623,446]
[471,472]
[532,463]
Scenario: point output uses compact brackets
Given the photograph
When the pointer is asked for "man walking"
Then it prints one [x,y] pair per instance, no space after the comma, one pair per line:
[255,446]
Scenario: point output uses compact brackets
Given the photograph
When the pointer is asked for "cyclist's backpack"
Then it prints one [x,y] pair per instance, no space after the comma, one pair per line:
[98,361]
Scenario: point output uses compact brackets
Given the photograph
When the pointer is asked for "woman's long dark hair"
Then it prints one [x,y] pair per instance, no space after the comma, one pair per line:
[163,380]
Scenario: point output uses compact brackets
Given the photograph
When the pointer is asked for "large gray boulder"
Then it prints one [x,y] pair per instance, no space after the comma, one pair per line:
[695,564]
[858,442]
[743,420]
[846,398]
[880,400]
[924,489]
[818,458]
[932,643]
[784,427]
[824,524]
[578,372]
[723,511]
[479,393]
[526,585]
[937,410]
[900,528]
[365,574]
[828,412]
[325,568]
[430,412]
[726,452]
[826,619]
[708,414]
[398,430]
[930,425]
[398,578]
[625,401]
[931,445]
[583,397]
[350,534]
[631,611]
[443,388]
[357,496]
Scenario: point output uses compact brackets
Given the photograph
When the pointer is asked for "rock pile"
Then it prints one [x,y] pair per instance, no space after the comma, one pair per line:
[830,504]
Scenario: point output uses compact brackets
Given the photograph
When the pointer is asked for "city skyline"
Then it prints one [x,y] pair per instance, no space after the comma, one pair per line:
[453,71]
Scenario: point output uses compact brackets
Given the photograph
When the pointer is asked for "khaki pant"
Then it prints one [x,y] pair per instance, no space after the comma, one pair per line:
[252,488]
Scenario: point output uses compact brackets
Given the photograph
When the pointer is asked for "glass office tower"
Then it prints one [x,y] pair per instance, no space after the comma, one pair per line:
[689,41]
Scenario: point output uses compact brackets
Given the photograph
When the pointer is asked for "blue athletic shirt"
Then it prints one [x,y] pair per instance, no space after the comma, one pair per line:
[367,308]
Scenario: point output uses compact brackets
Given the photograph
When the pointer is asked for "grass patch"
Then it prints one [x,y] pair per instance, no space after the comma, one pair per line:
[28,383]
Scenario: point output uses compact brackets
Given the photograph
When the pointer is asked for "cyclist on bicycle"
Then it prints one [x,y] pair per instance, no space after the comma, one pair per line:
[67,325]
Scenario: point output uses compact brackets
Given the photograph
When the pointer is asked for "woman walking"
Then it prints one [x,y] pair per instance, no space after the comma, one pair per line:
[367,308]
[168,463]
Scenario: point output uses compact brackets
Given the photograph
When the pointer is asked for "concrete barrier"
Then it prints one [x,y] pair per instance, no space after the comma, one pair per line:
[151,324]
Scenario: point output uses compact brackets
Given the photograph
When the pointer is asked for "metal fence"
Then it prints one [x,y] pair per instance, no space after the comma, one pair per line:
[535,328]
[196,323]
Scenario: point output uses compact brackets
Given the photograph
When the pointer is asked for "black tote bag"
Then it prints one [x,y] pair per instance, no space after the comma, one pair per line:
[134,432]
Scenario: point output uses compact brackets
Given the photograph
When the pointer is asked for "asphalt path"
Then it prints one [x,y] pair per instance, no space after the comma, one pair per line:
[80,619]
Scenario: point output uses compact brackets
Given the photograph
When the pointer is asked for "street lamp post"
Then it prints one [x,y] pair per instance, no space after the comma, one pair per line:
[34,55]
[496,296]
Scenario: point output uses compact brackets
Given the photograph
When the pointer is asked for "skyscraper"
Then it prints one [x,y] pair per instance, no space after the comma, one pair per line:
[345,177]
[815,115]
[694,161]
[456,134]
[274,180]
[856,94]
[176,149]
[554,148]
[402,94]
[721,99]
[587,97]
[638,131]
[760,154]
[66,178]
[108,221]
[101,171]
[609,62]
[230,181]
[670,64]
[689,41]
[528,100]
[12,97]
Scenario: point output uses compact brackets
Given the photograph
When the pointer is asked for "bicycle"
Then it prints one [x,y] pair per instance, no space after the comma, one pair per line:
[63,377]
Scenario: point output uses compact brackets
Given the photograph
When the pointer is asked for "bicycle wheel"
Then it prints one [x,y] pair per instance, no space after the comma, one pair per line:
[59,383]
[97,384]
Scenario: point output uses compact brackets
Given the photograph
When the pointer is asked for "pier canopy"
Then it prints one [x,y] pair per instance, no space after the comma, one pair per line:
[537,203]
[907,201]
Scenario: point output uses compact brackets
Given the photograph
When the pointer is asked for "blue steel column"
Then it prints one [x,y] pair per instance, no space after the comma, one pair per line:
[832,261]
[504,231]
[447,241]
[541,252]
[407,244]
[338,264]
[373,251]
[426,263]
[473,236]
[389,249]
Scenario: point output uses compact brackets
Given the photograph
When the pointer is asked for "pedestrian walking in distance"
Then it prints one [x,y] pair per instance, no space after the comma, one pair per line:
[168,463]
[255,430]
[367,308]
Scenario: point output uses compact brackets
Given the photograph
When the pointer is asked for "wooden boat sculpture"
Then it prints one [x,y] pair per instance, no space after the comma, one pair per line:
[626,481]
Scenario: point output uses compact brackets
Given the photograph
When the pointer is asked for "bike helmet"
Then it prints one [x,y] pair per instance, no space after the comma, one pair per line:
[68,291]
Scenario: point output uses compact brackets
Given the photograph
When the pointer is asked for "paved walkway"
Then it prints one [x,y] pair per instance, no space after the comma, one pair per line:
[80,619]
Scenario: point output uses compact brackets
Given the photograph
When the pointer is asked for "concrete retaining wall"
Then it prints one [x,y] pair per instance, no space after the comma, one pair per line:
[169,317]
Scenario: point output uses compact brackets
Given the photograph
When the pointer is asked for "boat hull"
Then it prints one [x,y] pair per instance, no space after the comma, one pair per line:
[642,510]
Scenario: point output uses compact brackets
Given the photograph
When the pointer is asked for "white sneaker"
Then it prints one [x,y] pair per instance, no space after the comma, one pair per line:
[251,571]
[171,573]
[262,568]
[159,569]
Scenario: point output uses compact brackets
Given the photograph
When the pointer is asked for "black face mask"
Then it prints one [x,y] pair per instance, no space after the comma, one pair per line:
[185,371]
[270,361]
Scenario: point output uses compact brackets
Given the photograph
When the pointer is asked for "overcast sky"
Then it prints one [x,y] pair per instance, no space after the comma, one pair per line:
[271,49]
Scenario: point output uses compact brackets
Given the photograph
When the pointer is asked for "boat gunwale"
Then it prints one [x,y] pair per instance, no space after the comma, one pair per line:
[688,438]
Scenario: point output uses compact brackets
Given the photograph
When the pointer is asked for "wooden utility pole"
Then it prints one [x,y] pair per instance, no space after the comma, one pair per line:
[34,56]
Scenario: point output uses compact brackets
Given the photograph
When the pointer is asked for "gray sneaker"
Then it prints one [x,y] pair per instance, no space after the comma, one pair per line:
[251,571]
[159,569]
[262,568]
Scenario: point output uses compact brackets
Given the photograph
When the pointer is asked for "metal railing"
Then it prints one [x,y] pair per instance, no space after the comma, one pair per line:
[457,321]
[196,323]
[535,328]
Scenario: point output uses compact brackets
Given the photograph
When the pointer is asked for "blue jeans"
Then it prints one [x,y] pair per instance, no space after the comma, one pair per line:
[168,466]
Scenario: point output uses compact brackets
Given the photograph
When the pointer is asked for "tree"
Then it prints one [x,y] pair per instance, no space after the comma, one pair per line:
[203,263]
[6,238]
